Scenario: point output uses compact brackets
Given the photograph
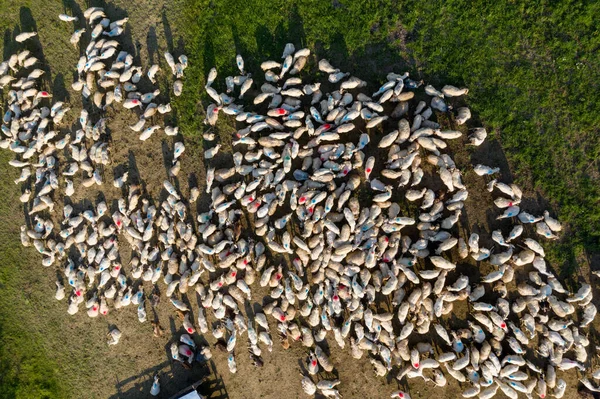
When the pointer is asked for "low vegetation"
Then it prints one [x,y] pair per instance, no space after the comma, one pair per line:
[26,370]
[533,72]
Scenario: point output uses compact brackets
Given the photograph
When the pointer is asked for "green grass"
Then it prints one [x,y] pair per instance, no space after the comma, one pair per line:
[533,71]
[27,371]
[40,355]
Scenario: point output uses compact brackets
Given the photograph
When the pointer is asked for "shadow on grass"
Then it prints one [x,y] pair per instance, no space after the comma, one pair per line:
[174,381]
[370,63]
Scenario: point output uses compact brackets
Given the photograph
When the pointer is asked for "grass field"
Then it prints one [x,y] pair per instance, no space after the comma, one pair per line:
[43,353]
[533,72]
[26,369]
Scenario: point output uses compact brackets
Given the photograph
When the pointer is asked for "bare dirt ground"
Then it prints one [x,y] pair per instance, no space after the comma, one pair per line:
[77,344]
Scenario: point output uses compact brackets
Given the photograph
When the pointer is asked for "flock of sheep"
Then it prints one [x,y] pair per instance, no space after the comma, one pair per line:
[361,249]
